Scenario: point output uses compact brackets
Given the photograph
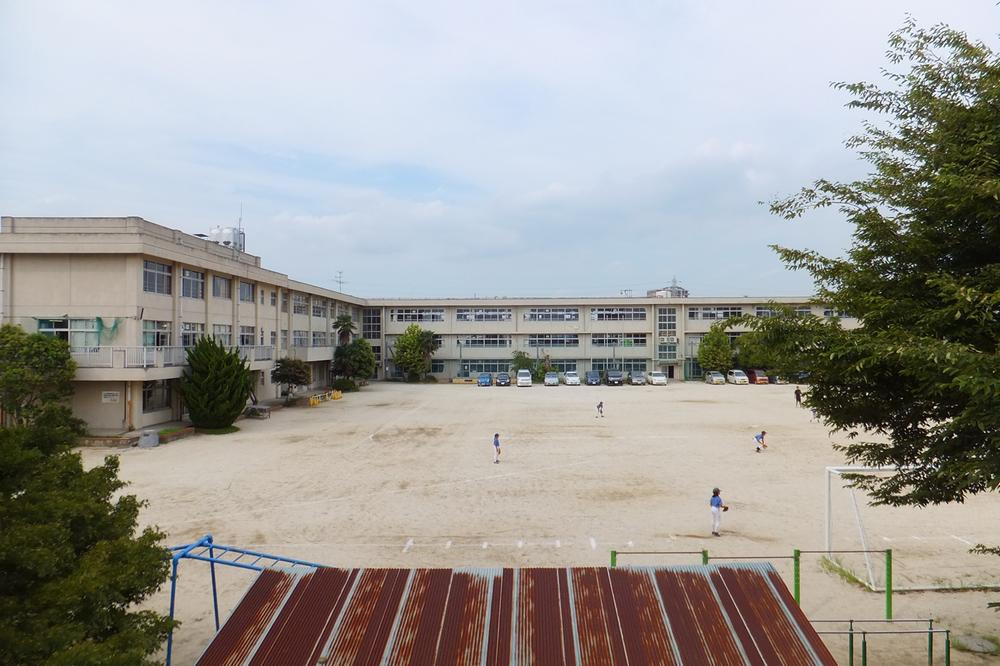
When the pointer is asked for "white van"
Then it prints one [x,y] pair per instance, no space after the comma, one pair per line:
[524,377]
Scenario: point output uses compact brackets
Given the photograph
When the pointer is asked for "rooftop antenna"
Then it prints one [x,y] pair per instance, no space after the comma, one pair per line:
[340,281]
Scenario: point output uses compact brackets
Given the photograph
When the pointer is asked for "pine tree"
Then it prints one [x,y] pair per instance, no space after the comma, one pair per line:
[216,385]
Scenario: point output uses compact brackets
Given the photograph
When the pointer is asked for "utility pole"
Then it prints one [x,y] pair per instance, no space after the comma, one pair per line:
[340,281]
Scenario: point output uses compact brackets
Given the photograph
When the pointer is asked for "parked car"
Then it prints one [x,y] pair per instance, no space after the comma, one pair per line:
[503,379]
[776,379]
[593,378]
[551,379]
[756,376]
[656,378]
[637,378]
[614,377]
[737,377]
[485,379]
[714,377]
[524,377]
[572,378]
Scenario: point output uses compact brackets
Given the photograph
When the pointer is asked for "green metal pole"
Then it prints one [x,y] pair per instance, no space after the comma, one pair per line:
[947,648]
[888,583]
[614,559]
[704,557]
[930,642]
[864,649]
[850,642]
[796,557]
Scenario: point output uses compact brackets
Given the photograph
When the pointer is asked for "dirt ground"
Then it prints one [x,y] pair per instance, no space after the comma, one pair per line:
[403,476]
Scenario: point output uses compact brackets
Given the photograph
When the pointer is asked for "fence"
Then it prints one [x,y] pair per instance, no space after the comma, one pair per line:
[852,630]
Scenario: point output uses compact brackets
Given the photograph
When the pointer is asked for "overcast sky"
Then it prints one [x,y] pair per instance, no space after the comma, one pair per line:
[453,149]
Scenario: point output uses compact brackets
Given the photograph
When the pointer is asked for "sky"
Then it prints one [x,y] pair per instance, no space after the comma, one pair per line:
[450,149]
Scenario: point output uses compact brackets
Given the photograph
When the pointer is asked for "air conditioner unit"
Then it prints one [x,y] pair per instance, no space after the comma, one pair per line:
[668,340]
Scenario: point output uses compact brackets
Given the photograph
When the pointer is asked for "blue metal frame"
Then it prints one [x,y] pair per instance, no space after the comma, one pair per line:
[206,550]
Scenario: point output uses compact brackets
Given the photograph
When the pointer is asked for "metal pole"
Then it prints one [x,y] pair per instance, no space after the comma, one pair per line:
[614,559]
[704,557]
[864,649]
[850,642]
[173,596]
[796,554]
[947,648]
[888,583]
[215,593]
[930,642]
[829,510]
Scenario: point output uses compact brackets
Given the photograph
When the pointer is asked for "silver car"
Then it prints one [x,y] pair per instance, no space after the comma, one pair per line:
[551,379]
[637,378]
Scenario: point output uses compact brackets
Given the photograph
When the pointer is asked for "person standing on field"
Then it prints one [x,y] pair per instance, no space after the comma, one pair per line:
[717,507]
[798,397]
[758,439]
[496,448]
[600,409]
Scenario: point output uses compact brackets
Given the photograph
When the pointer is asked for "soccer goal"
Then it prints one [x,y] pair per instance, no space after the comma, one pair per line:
[930,545]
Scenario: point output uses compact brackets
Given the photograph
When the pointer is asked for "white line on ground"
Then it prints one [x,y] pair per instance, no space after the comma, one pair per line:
[408,546]
[593,543]
[967,543]
[916,538]
[448,545]
[630,544]
[887,538]
[485,545]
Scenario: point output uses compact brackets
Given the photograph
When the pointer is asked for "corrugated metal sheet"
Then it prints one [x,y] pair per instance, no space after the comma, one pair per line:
[717,614]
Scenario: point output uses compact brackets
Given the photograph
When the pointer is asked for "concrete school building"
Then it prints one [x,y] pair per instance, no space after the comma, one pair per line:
[129,296]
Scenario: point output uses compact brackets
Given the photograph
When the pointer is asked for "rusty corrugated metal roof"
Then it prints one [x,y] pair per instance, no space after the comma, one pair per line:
[716,614]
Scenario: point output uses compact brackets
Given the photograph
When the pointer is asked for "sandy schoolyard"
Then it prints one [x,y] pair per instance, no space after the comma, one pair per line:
[403,476]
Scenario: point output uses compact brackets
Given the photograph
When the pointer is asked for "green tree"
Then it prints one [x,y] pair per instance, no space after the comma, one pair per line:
[345,328]
[356,360]
[36,373]
[413,351]
[715,352]
[922,276]
[291,372]
[216,385]
[521,361]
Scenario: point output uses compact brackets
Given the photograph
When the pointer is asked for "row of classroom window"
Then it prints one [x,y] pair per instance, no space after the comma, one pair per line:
[666,317]
[88,333]
[157,278]
[558,365]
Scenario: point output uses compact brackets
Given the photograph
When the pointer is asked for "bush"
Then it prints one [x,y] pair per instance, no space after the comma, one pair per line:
[430,379]
[344,384]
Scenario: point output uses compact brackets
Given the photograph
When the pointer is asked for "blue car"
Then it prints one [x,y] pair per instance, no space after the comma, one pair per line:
[485,379]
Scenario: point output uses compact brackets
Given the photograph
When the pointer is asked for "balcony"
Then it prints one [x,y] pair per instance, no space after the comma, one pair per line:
[309,353]
[144,359]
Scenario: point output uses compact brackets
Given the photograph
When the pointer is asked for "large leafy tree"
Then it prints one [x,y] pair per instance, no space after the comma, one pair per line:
[291,372]
[356,360]
[715,352]
[413,351]
[216,385]
[36,373]
[922,276]
[520,360]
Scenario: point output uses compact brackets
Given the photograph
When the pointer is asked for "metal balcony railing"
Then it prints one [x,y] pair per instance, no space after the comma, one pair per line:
[152,357]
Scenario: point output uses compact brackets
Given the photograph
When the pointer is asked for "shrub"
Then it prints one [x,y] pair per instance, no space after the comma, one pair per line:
[344,384]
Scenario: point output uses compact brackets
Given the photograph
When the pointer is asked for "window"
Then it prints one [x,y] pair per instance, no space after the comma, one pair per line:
[155,333]
[371,324]
[483,314]
[274,298]
[618,339]
[626,364]
[554,340]
[156,277]
[156,395]
[284,301]
[284,338]
[552,314]
[77,332]
[300,338]
[246,336]
[666,321]
[274,338]
[803,310]
[191,333]
[830,312]
[192,284]
[222,287]
[223,333]
[561,365]
[765,311]
[712,312]
[300,304]
[416,314]
[437,366]
[488,340]
[666,352]
[246,292]
[319,308]
[618,314]
[320,339]
[487,365]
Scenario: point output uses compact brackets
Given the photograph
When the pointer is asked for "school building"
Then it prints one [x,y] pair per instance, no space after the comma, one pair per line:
[129,296]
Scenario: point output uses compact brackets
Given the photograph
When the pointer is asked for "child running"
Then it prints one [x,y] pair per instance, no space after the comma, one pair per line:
[600,409]
[758,440]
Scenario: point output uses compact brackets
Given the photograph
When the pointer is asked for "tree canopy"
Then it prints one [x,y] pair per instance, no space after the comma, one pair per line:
[355,360]
[216,385]
[36,373]
[413,351]
[922,276]
[345,328]
[291,372]
[715,352]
